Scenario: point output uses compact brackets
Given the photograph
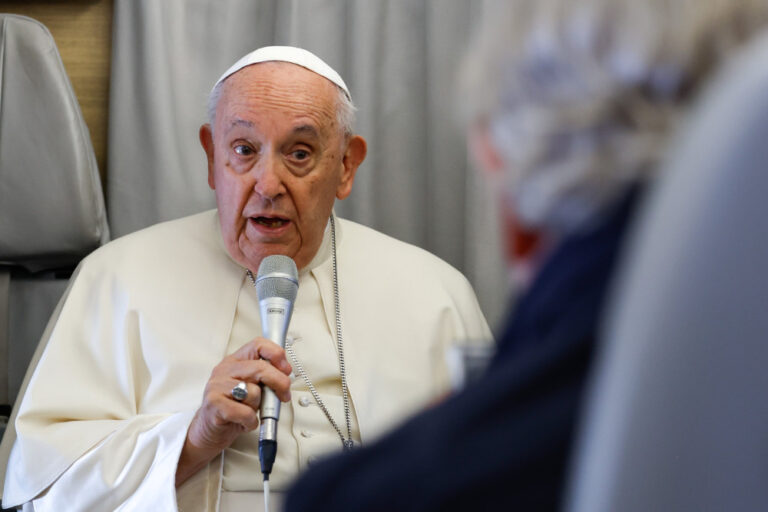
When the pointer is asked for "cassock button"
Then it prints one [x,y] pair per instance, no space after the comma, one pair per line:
[306,433]
[304,401]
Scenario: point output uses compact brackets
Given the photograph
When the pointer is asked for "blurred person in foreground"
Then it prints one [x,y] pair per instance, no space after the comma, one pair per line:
[147,395]
[570,107]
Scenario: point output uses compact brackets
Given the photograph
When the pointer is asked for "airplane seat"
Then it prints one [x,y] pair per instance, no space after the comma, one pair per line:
[52,209]
[675,417]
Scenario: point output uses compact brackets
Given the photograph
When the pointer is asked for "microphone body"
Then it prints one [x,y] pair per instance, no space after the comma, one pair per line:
[277,284]
[275,317]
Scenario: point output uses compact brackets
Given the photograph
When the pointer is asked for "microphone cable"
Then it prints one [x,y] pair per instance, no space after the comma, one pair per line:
[266,493]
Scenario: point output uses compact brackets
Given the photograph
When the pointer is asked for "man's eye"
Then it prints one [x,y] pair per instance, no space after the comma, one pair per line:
[243,150]
[300,154]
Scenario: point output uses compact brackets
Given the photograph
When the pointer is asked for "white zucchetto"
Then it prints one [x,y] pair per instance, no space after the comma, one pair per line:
[298,56]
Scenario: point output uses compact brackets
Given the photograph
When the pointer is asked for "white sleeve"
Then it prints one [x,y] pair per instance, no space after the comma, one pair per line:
[106,412]
[133,468]
[107,408]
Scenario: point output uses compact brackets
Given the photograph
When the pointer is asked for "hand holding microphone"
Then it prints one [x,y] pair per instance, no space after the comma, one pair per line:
[259,368]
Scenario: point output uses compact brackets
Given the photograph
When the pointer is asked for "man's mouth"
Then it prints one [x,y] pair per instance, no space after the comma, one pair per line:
[270,222]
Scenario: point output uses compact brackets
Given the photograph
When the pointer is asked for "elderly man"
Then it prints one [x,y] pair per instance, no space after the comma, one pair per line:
[571,105]
[160,319]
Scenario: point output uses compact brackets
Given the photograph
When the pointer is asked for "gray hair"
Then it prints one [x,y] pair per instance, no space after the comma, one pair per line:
[345,109]
[580,98]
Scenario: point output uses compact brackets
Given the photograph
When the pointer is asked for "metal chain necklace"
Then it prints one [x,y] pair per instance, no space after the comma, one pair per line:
[346,442]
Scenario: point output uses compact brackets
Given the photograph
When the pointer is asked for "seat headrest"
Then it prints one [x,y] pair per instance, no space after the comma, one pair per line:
[51,204]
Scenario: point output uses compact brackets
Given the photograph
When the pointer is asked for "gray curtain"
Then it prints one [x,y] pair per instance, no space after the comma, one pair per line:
[399,59]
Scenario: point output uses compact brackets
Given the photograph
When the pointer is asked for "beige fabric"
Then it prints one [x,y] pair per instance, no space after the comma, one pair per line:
[201,490]
[106,410]
[251,501]
[304,432]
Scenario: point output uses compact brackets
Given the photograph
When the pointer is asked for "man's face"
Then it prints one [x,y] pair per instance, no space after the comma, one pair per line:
[277,160]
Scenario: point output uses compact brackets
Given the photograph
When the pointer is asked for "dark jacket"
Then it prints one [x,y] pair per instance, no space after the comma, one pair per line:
[504,442]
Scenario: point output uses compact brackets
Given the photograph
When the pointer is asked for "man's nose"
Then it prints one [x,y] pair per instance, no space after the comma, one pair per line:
[269,183]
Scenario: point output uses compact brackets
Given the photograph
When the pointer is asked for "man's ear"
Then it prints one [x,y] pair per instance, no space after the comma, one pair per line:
[206,140]
[354,155]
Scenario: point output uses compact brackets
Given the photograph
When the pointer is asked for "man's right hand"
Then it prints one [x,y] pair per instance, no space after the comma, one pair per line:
[221,418]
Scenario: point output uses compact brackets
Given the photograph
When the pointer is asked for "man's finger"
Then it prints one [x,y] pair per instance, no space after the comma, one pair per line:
[262,348]
[253,394]
[262,372]
[238,413]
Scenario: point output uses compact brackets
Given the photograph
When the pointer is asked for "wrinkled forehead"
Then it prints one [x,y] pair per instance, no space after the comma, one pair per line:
[286,90]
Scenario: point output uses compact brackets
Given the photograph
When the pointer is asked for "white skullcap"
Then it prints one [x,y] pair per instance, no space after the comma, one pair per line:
[290,54]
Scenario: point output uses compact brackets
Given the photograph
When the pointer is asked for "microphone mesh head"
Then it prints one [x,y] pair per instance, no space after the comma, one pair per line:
[277,277]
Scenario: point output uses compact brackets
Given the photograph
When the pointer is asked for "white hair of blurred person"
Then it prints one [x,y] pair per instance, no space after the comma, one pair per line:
[578,98]
[345,109]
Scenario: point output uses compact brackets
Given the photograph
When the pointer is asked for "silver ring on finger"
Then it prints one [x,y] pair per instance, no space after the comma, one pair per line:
[240,392]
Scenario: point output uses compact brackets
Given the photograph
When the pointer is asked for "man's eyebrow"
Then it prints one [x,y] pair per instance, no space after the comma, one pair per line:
[239,122]
[306,129]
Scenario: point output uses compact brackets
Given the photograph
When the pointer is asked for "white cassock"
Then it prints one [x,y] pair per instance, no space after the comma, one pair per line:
[148,316]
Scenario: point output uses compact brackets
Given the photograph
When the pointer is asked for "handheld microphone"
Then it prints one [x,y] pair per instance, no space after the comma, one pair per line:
[277,284]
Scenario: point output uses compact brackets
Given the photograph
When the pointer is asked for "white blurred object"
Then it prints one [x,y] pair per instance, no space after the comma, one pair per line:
[467,362]
[676,418]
